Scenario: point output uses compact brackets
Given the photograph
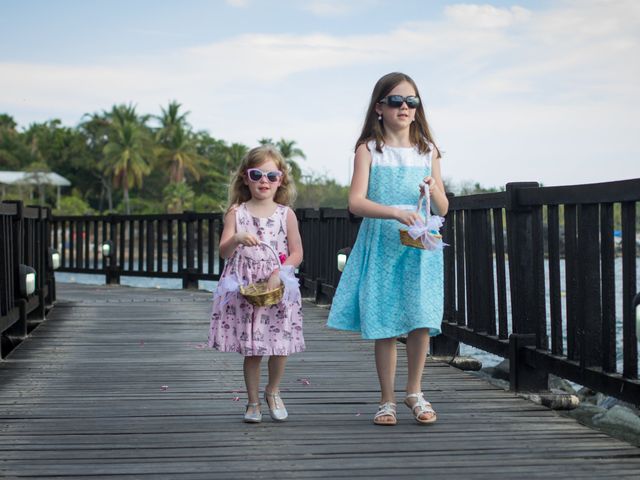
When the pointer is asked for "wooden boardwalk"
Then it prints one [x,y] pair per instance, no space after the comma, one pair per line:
[116,383]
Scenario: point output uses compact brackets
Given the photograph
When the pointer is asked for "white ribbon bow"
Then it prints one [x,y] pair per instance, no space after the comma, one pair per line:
[291,284]
[225,288]
[427,232]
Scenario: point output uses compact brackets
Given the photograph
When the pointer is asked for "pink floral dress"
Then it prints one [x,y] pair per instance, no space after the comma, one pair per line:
[238,326]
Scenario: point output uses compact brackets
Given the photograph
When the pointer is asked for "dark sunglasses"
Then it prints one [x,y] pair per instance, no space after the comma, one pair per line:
[396,101]
[255,174]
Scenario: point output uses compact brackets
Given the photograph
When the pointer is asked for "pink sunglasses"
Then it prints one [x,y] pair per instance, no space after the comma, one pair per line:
[255,174]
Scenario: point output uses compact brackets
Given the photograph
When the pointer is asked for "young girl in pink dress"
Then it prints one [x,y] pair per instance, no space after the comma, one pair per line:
[259,223]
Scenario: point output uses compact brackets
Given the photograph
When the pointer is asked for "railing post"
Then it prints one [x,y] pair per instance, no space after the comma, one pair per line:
[112,268]
[39,264]
[51,277]
[188,278]
[443,345]
[524,288]
[522,377]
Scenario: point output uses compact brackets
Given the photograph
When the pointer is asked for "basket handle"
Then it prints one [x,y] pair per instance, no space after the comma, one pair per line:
[424,195]
[261,244]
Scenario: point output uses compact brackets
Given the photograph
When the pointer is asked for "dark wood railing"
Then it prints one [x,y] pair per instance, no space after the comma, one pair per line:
[500,297]
[504,289]
[545,332]
[24,233]
[168,246]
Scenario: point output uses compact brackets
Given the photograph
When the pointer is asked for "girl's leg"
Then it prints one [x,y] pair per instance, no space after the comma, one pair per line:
[417,347]
[252,380]
[276,372]
[386,360]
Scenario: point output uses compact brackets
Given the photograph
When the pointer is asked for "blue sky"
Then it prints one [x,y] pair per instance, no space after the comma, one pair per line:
[515,91]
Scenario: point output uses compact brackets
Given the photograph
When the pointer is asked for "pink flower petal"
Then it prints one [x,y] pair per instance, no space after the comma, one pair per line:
[141,343]
[164,388]
[236,399]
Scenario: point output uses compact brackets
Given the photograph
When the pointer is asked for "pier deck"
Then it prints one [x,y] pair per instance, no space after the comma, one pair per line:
[116,382]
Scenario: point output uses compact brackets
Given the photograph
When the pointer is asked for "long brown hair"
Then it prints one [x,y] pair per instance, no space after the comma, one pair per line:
[373,129]
[239,192]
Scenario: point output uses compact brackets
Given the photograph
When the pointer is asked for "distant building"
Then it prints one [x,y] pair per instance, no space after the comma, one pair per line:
[33,179]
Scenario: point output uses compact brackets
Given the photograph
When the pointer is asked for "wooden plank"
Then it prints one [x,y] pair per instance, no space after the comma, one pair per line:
[83,396]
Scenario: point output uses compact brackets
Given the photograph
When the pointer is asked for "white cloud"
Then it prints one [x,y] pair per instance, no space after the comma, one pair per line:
[512,93]
[338,8]
[486,16]
[237,3]
[328,8]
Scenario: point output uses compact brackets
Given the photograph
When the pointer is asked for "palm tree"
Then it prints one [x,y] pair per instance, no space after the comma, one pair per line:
[180,152]
[96,129]
[289,151]
[127,154]
[178,147]
[233,156]
[12,147]
[170,121]
[177,196]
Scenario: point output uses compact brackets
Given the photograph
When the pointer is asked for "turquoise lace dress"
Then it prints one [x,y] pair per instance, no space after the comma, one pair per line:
[388,289]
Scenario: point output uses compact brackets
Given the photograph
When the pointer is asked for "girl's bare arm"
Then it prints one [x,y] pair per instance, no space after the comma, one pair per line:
[230,239]
[294,240]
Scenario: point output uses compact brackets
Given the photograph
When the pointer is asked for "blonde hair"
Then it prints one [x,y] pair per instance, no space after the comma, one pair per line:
[373,129]
[239,192]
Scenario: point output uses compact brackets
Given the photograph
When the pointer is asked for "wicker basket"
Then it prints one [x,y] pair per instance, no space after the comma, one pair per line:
[258,294]
[405,238]
[407,241]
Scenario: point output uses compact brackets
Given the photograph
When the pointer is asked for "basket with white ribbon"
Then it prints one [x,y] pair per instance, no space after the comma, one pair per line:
[258,293]
[424,235]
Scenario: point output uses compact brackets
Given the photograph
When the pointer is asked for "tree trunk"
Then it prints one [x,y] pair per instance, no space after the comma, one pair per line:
[107,185]
[110,198]
[101,202]
[126,198]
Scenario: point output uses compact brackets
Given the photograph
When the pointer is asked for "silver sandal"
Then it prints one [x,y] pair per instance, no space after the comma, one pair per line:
[252,417]
[279,412]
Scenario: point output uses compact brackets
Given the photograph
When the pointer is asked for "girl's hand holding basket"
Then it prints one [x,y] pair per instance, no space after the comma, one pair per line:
[423,234]
[281,282]
[274,280]
[246,239]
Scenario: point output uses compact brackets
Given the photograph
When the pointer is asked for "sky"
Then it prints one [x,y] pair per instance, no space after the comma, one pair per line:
[545,91]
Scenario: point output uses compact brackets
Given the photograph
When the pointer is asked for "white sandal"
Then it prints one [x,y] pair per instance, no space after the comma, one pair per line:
[387,409]
[279,412]
[422,407]
[252,417]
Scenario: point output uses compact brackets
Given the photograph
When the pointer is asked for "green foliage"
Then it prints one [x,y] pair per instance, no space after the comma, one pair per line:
[468,187]
[128,152]
[205,203]
[141,206]
[289,151]
[178,197]
[72,205]
[121,161]
[177,145]
[320,191]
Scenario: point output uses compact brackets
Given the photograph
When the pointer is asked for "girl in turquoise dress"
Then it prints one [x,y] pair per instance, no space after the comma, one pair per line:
[388,289]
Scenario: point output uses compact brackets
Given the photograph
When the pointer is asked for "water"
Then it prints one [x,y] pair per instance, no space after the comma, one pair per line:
[145,282]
